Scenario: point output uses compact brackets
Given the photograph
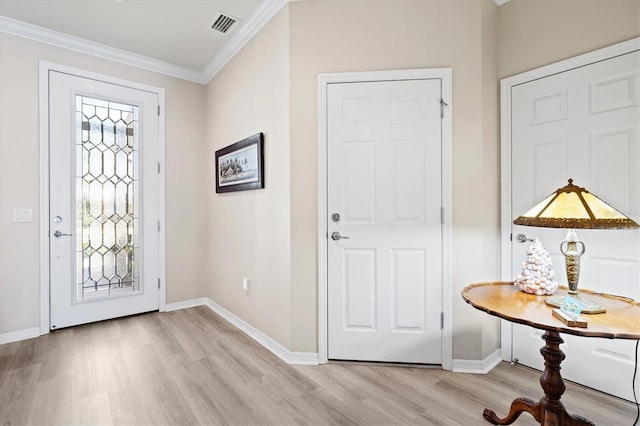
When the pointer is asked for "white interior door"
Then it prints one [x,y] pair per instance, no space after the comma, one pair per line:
[103,210]
[384,199]
[582,124]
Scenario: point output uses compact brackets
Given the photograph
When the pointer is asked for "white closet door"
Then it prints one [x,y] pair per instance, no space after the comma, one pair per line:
[582,124]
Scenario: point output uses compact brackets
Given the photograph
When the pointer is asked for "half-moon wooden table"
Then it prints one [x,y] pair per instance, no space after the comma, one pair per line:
[504,300]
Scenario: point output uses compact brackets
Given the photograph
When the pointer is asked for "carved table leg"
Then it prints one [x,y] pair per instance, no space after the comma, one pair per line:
[518,406]
[549,410]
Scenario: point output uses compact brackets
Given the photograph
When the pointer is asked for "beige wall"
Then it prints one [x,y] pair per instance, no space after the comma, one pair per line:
[242,101]
[19,175]
[490,212]
[336,36]
[269,236]
[541,32]
[475,39]
[249,232]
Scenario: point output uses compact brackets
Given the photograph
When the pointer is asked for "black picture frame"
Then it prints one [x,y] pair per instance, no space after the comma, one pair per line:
[240,166]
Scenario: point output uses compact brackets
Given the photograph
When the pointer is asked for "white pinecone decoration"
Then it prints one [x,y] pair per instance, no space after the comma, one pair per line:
[537,275]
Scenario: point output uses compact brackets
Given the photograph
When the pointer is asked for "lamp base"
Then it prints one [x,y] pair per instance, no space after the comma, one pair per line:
[589,307]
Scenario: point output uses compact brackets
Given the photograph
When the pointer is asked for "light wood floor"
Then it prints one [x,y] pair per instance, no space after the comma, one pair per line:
[192,367]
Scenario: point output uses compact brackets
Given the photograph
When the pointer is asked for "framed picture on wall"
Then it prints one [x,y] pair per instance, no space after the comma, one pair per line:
[240,167]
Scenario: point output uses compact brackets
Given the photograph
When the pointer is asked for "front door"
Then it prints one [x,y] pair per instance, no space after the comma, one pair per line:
[582,124]
[103,210]
[384,221]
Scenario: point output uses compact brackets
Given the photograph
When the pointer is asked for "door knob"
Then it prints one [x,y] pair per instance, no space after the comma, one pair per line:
[59,234]
[335,236]
[521,238]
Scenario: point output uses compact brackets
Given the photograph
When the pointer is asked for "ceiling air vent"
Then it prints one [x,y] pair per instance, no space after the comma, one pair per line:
[223,22]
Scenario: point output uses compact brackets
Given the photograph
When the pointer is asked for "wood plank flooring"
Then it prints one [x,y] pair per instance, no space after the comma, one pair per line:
[192,367]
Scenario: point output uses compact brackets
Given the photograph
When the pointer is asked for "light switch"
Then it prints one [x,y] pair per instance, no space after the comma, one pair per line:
[22,215]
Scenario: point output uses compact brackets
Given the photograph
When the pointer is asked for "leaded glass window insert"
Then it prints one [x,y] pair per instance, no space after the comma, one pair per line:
[107,198]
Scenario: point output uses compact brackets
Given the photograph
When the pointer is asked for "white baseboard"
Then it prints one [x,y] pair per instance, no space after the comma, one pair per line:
[15,336]
[299,358]
[477,367]
[186,304]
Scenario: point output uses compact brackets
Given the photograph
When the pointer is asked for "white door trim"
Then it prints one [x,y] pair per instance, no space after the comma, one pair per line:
[43,136]
[447,194]
[506,86]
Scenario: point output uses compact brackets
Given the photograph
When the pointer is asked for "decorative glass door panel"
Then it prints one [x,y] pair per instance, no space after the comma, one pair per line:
[104,245]
[106,198]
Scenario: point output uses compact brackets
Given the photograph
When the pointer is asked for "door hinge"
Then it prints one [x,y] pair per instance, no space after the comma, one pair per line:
[441,320]
[158,109]
[158,226]
[158,282]
[442,105]
[442,215]
[158,168]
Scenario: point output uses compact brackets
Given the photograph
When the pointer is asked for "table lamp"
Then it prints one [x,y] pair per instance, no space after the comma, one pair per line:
[573,207]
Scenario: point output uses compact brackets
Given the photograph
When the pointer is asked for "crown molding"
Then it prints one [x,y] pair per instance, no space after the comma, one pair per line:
[55,38]
[265,11]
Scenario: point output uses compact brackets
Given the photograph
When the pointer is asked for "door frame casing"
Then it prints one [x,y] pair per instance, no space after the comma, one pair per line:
[43,136]
[445,75]
[506,86]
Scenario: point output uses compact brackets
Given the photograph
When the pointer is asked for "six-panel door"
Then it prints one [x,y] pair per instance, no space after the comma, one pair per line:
[582,124]
[384,183]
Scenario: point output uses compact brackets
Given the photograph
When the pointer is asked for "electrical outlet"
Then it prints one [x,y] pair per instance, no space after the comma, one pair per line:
[245,285]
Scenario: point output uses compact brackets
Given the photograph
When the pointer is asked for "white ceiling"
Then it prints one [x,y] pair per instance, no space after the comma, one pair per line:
[174,31]
[170,36]
[163,32]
